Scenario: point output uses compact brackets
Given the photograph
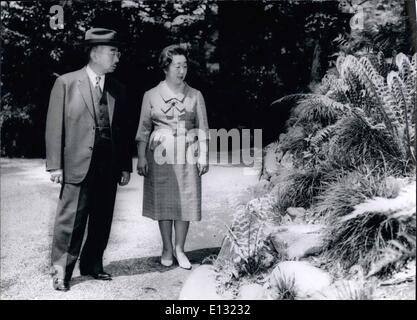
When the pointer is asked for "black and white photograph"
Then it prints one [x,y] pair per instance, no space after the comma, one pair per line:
[226,151]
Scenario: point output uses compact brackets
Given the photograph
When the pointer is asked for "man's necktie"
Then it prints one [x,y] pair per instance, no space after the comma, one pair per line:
[97,88]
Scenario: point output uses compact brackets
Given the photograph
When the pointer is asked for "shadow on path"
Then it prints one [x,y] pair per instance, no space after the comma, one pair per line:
[136,266]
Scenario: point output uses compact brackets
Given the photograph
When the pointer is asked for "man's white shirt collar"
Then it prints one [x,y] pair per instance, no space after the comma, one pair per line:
[92,75]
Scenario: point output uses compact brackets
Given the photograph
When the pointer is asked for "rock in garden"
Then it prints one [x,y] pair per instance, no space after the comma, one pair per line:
[296,214]
[344,290]
[263,186]
[252,291]
[287,161]
[275,179]
[300,240]
[302,277]
[270,159]
[200,285]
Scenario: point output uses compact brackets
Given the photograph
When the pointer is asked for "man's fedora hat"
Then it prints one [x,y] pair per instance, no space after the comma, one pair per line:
[101,36]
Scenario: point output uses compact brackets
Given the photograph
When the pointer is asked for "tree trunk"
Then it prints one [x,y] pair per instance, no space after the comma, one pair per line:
[410,9]
[316,64]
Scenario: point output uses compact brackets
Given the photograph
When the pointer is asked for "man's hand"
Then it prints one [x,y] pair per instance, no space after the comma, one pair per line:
[142,166]
[125,178]
[57,176]
[202,166]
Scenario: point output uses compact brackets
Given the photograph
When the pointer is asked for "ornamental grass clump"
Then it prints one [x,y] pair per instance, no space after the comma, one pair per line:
[283,288]
[357,142]
[363,233]
[299,189]
[349,188]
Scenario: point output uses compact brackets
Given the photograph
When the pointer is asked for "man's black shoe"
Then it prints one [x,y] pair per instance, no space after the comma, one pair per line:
[97,275]
[60,284]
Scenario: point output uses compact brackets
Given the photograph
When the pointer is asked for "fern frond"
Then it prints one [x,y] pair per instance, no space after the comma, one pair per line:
[329,79]
[377,61]
[292,98]
[383,68]
[367,121]
[334,88]
[236,246]
[399,92]
[248,234]
[388,105]
[375,87]
[339,63]
[322,135]
[414,61]
[396,86]
[408,75]
[321,109]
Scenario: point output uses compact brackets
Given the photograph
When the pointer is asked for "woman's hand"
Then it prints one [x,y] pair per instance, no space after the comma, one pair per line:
[142,166]
[203,159]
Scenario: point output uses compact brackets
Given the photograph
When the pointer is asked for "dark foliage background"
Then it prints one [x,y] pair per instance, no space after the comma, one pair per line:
[244,54]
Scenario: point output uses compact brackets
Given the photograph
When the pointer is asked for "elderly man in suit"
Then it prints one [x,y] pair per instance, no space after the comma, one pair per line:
[87,151]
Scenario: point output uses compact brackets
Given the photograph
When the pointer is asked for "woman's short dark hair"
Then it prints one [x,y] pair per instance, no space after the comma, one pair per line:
[165,58]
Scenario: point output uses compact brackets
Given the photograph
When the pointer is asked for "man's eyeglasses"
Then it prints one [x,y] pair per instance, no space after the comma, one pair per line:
[115,54]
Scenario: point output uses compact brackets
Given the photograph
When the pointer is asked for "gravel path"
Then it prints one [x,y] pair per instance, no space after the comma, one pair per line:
[28,202]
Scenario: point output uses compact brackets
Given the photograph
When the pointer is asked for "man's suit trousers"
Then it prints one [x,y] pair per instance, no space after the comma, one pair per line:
[93,200]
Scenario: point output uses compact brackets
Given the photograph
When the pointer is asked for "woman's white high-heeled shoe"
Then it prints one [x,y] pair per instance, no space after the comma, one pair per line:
[183,263]
[167,262]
